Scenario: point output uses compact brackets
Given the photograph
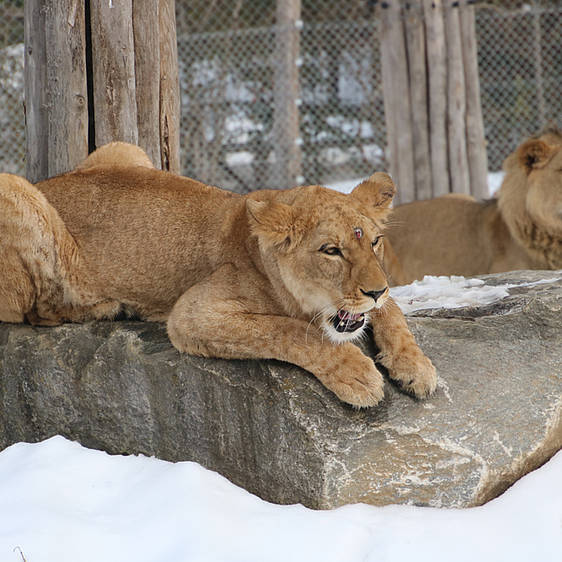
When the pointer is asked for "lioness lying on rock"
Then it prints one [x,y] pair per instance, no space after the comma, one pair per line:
[293,275]
[521,229]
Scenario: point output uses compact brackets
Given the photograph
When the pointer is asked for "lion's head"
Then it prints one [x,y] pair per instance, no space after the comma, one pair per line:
[326,250]
[530,197]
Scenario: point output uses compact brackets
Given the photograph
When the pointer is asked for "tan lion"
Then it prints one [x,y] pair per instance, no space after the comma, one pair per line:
[292,275]
[457,235]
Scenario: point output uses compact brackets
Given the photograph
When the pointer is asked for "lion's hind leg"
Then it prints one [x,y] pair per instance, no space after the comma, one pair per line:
[35,247]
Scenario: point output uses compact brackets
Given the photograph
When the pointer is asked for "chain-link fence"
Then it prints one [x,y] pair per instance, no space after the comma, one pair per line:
[230,52]
[520,68]
[12,122]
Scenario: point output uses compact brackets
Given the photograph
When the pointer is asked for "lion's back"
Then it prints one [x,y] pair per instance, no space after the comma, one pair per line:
[440,236]
[137,228]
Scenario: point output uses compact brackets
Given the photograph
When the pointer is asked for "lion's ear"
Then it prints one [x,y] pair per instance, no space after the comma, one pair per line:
[534,154]
[377,190]
[276,224]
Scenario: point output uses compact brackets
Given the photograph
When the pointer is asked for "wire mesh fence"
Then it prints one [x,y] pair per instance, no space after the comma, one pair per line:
[12,121]
[234,103]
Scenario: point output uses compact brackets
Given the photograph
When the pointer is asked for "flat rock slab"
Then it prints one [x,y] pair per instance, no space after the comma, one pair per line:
[273,428]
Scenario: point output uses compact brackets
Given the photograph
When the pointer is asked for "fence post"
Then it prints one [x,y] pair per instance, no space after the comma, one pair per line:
[113,62]
[55,87]
[397,109]
[170,103]
[435,133]
[437,92]
[133,94]
[415,43]
[475,138]
[456,104]
[147,89]
[288,157]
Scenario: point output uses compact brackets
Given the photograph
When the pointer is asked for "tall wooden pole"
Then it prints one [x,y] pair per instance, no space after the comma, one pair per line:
[437,93]
[120,84]
[397,109]
[435,132]
[169,88]
[288,157]
[475,138]
[115,107]
[415,42]
[55,87]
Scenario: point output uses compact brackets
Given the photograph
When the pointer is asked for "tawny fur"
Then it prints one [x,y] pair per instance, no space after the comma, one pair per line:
[520,229]
[234,276]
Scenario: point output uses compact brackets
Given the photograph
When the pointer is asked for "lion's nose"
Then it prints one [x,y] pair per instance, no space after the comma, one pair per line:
[374,294]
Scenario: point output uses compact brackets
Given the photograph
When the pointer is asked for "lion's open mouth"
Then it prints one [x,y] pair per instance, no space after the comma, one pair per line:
[345,321]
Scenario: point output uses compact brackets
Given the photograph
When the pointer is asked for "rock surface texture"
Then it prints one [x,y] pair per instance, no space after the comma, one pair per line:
[273,429]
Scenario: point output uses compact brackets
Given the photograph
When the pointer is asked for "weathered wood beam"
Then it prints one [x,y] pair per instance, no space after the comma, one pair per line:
[456,103]
[288,156]
[415,42]
[55,87]
[170,103]
[475,138]
[114,91]
[397,109]
[437,91]
[147,83]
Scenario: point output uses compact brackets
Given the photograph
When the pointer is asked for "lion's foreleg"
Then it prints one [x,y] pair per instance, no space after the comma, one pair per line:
[209,320]
[399,352]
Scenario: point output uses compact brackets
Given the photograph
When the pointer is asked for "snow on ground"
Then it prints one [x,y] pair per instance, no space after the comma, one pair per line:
[62,502]
[451,292]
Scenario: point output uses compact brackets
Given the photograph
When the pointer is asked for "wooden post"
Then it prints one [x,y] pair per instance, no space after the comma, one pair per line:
[432,99]
[113,61]
[475,139]
[37,167]
[133,91]
[170,106]
[437,91]
[147,89]
[55,87]
[456,104]
[415,41]
[288,158]
[397,101]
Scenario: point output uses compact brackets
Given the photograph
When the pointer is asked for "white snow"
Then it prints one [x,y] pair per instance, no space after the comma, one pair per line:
[62,502]
[452,292]
[494,182]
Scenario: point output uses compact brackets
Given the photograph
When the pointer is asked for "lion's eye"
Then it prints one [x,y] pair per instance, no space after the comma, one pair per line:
[330,250]
[376,241]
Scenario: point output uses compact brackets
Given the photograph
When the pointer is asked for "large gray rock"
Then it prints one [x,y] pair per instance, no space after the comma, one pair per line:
[275,430]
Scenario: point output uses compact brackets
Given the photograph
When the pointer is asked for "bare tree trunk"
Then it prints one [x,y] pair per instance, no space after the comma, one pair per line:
[55,87]
[475,139]
[115,106]
[456,105]
[437,79]
[397,102]
[36,116]
[442,127]
[147,89]
[288,156]
[170,104]
[133,70]
[415,40]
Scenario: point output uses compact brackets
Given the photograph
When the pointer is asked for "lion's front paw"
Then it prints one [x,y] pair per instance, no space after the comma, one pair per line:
[414,372]
[356,381]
